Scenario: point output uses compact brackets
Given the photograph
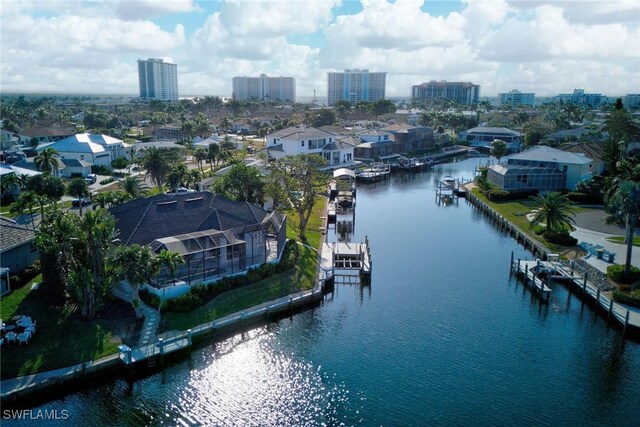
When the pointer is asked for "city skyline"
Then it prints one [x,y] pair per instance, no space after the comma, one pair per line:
[546,47]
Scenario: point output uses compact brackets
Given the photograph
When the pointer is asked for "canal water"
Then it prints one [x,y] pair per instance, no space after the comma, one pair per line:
[443,336]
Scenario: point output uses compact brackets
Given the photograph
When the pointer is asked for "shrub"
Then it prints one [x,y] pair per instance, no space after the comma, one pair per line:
[15,282]
[107,181]
[626,298]
[101,170]
[120,163]
[624,288]
[497,195]
[584,199]
[616,273]
[563,239]
[152,300]
[183,303]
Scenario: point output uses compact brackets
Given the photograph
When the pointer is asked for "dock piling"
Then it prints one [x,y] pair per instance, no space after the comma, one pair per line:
[610,309]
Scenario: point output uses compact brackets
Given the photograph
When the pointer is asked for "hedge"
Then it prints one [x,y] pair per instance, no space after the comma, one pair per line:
[584,199]
[626,298]
[563,239]
[496,195]
[25,276]
[616,273]
[201,294]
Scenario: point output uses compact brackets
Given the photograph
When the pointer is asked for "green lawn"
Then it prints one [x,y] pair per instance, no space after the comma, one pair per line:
[620,240]
[61,338]
[516,212]
[297,279]
[300,278]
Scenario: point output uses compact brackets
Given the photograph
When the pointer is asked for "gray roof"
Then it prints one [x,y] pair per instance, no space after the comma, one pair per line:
[542,153]
[347,141]
[144,220]
[13,235]
[493,131]
[75,163]
[300,132]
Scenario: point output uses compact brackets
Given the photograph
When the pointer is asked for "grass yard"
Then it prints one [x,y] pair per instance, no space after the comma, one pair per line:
[297,279]
[516,212]
[300,278]
[62,338]
[620,240]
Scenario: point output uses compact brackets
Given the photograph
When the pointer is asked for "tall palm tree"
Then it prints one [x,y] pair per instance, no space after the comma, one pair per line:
[134,187]
[78,188]
[624,205]
[137,264]
[200,154]
[555,210]
[170,261]
[26,201]
[157,163]
[212,154]
[9,183]
[47,160]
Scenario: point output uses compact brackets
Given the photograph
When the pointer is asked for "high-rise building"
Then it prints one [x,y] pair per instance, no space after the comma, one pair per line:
[355,86]
[460,92]
[158,79]
[578,97]
[264,88]
[631,100]
[516,98]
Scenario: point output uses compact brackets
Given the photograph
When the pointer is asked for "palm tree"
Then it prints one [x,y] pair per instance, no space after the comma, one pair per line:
[9,183]
[26,201]
[137,264]
[157,163]
[47,161]
[134,187]
[171,261]
[101,200]
[555,210]
[200,154]
[193,178]
[212,154]
[78,188]
[177,176]
[624,205]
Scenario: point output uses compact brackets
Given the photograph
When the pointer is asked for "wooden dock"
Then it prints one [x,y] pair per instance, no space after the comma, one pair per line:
[575,277]
[530,271]
[345,259]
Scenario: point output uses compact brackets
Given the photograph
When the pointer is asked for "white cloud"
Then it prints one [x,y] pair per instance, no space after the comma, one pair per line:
[144,9]
[546,46]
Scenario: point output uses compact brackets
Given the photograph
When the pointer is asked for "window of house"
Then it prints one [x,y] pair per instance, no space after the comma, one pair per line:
[565,168]
[302,142]
[274,141]
[81,156]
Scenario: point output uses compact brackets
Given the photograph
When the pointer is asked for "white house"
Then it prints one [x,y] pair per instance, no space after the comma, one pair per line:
[96,149]
[302,139]
[541,168]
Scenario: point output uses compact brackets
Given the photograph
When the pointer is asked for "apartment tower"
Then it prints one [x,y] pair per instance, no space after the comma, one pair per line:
[158,79]
[355,86]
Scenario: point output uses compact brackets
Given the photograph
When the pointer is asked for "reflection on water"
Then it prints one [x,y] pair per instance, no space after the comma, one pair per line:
[442,337]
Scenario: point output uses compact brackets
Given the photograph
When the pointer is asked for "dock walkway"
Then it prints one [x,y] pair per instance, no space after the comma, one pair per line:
[577,277]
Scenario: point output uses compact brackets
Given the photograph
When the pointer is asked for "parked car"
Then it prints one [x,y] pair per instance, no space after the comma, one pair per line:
[181,190]
[77,201]
[91,178]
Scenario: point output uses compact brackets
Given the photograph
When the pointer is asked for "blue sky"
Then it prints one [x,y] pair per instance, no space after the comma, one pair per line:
[542,46]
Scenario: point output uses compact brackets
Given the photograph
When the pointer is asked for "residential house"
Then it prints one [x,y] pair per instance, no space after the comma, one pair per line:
[8,139]
[74,168]
[17,248]
[96,149]
[412,138]
[168,133]
[216,236]
[45,134]
[302,139]
[7,170]
[377,144]
[541,168]
[483,136]
[592,150]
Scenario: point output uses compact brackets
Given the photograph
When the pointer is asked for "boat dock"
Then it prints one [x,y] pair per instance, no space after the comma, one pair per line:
[374,173]
[530,271]
[339,259]
[575,276]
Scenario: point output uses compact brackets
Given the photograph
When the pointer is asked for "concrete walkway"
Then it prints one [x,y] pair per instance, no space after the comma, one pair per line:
[590,240]
[149,331]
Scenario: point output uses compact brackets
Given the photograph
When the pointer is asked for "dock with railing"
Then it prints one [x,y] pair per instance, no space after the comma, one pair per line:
[577,277]
[346,259]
